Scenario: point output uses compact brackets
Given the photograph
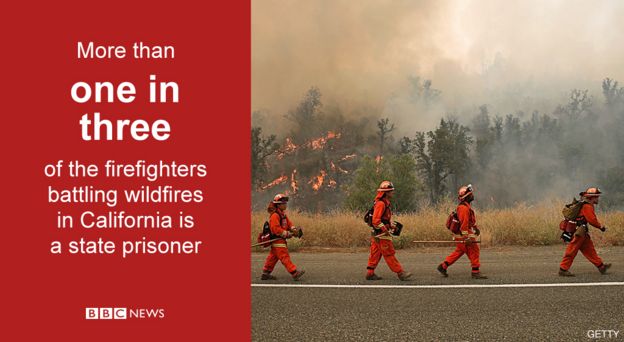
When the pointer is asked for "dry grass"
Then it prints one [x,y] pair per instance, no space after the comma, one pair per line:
[522,225]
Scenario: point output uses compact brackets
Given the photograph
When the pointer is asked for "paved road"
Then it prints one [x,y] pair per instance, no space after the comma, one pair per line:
[447,314]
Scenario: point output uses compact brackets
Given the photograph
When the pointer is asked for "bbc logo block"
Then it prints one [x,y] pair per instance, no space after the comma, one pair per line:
[106,313]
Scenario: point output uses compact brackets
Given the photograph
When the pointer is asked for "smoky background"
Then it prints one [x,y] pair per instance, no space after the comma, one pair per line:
[520,99]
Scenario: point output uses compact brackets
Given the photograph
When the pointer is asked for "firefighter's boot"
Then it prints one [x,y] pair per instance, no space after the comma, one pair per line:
[373,276]
[267,276]
[442,270]
[565,273]
[603,269]
[297,274]
[403,276]
[478,275]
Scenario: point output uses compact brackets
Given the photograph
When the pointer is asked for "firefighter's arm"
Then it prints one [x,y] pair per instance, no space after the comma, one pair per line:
[276,227]
[380,207]
[296,231]
[590,215]
[291,226]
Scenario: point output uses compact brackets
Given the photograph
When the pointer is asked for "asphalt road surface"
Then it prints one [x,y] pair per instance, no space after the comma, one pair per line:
[415,312]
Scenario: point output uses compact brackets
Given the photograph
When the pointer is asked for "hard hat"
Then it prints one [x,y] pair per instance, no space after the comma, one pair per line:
[464,191]
[280,199]
[591,192]
[386,186]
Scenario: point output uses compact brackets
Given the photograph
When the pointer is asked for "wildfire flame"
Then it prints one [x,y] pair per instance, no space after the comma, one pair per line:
[317,181]
[332,183]
[277,181]
[378,159]
[348,157]
[289,147]
[293,181]
[315,144]
[320,142]
[336,168]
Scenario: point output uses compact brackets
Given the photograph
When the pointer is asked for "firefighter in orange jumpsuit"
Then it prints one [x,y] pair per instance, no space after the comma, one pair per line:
[469,232]
[582,241]
[281,227]
[381,239]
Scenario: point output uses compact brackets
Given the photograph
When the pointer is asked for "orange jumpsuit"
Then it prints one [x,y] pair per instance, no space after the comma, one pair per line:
[280,226]
[468,220]
[583,243]
[382,245]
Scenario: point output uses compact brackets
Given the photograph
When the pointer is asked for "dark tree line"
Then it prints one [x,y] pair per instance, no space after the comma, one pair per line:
[508,157]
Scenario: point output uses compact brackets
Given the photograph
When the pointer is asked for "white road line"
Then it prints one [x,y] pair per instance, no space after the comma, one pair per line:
[461,286]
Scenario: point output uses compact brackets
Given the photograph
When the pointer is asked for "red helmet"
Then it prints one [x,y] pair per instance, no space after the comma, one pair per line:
[591,192]
[280,199]
[464,191]
[386,186]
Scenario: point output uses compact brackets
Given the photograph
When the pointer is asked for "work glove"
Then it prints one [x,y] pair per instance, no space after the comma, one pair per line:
[476,230]
[467,241]
[286,234]
[603,229]
[297,232]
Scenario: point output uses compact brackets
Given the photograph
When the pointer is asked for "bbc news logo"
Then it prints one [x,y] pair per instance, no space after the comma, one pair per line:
[123,313]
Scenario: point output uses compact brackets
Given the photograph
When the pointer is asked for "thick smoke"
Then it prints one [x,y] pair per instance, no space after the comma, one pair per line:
[510,55]
[374,58]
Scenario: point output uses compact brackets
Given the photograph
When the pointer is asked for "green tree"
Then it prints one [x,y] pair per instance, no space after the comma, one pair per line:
[261,148]
[405,180]
[398,169]
[385,129]
[368,176]
[441,156]
[306,116]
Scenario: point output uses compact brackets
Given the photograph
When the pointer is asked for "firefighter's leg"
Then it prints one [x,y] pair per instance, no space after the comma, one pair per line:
[570,252]
[388,252]
[589,251]
[374,257]
[473,253]
[270,262]
[457,253]
[284,257]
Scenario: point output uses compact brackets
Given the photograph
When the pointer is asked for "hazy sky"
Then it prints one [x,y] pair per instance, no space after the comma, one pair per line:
[362,52]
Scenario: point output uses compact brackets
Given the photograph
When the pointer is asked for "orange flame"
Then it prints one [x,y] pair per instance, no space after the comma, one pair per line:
[317,181]
[277,181]
[293,181]
[319,143]
[315,144]
[337,168]
[332,183]
[289,147]
[378,159]
[348,157]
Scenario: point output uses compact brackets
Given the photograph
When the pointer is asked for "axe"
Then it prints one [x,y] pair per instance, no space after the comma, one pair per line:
[265,242]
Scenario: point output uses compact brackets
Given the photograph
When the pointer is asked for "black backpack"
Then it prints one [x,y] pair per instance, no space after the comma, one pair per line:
[368,217]
[265,235]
